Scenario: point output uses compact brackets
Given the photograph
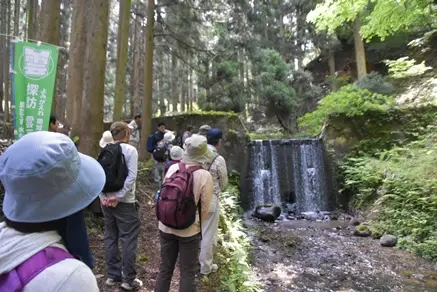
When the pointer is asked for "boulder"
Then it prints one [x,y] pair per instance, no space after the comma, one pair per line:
[268,213]
[388,240]
[354,222]
[362,231]
[291,208]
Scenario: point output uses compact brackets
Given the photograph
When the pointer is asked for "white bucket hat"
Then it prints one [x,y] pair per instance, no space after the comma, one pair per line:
[169,136]
[197,150]
[46,178]
[176,153]
[106,139]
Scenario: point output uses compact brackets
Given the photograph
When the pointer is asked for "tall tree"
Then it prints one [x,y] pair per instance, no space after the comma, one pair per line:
[148,82]
[75,80]
[94,85]
[62,71]
[3,23]
[137,59]
[49,32]
[7,17]
[16,17]
[32,18]
[122,46]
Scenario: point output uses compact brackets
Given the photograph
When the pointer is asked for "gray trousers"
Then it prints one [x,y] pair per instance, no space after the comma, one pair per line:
[121,223]
[188,249]
[158,172]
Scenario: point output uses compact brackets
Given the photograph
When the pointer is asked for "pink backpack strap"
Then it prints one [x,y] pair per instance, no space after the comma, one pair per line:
[15,280]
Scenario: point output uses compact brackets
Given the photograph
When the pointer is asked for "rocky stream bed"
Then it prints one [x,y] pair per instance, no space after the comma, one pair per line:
[310,256]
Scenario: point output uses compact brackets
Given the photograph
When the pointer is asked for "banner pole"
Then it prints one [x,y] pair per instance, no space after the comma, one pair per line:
[12,75]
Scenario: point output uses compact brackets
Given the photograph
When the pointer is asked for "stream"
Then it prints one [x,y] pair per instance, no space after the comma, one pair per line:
[311,256]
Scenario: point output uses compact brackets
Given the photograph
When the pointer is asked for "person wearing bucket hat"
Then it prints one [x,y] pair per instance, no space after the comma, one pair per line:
[219,173]
[106,139]
[186,242]
[46,180]
[203,130]
[176,154]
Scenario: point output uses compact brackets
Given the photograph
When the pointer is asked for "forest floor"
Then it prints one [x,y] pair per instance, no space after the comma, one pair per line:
[148,255]
[288,256]
[303,256]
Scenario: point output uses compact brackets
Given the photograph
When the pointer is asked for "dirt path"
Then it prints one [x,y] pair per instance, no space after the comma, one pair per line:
[148,246]
[326,258]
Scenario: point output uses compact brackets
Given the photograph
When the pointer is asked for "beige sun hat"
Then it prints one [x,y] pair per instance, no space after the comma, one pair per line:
[106,139]
[197,150]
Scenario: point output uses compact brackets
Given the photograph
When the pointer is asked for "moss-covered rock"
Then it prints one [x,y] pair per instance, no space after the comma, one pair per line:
[376,130]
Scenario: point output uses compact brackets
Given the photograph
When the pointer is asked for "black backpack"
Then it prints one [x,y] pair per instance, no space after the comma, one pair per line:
[111,158]
[160,154]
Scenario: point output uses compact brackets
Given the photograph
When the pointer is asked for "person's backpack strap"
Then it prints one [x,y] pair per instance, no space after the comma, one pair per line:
[212,162]
[199,204]
[16,279]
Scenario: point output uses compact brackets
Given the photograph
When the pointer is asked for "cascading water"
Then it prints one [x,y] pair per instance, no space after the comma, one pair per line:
[287,171]
[264,174]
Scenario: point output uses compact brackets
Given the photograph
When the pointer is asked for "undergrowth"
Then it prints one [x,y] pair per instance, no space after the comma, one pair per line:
[233,251]
[350,100]
[399,188]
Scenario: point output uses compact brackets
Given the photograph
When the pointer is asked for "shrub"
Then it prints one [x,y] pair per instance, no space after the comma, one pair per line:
[349,100]
[375,83]
[232,256]
[400,187]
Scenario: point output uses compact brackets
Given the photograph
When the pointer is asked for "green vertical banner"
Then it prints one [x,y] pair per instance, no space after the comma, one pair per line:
[34,81]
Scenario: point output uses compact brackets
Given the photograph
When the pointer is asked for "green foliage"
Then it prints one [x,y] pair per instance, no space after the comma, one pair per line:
[379,18]
[272,81]
[400,187]
[332,14]
[404,68]
[389,17]
[226,89]
[233,254]
[350,100]
[375,83]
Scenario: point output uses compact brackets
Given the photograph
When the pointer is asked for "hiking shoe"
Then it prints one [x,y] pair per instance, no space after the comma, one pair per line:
[134,285]
[112,282]
[214,269]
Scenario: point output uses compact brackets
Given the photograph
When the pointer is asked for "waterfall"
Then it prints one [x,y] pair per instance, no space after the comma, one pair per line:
[288,171]
[263,164]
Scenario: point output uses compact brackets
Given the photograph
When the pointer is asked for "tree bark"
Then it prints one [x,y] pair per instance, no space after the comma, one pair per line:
[49,32]
[122,46]
[32,18]
[137,65]
[6,57]
[148,82]
[174,83]
[75,80]
[190,89]
[360,53]
[3,23]
[16,17]
[182,88]
[62,71]
[94,85]
[331,64]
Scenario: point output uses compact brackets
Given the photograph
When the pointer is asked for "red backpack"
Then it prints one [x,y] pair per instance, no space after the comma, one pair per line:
[176,206]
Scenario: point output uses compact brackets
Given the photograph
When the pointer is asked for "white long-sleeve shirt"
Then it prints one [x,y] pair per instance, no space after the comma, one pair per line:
[127,193]
[135,132]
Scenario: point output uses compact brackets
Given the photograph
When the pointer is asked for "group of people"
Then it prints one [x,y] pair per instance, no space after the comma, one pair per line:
[49,183]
